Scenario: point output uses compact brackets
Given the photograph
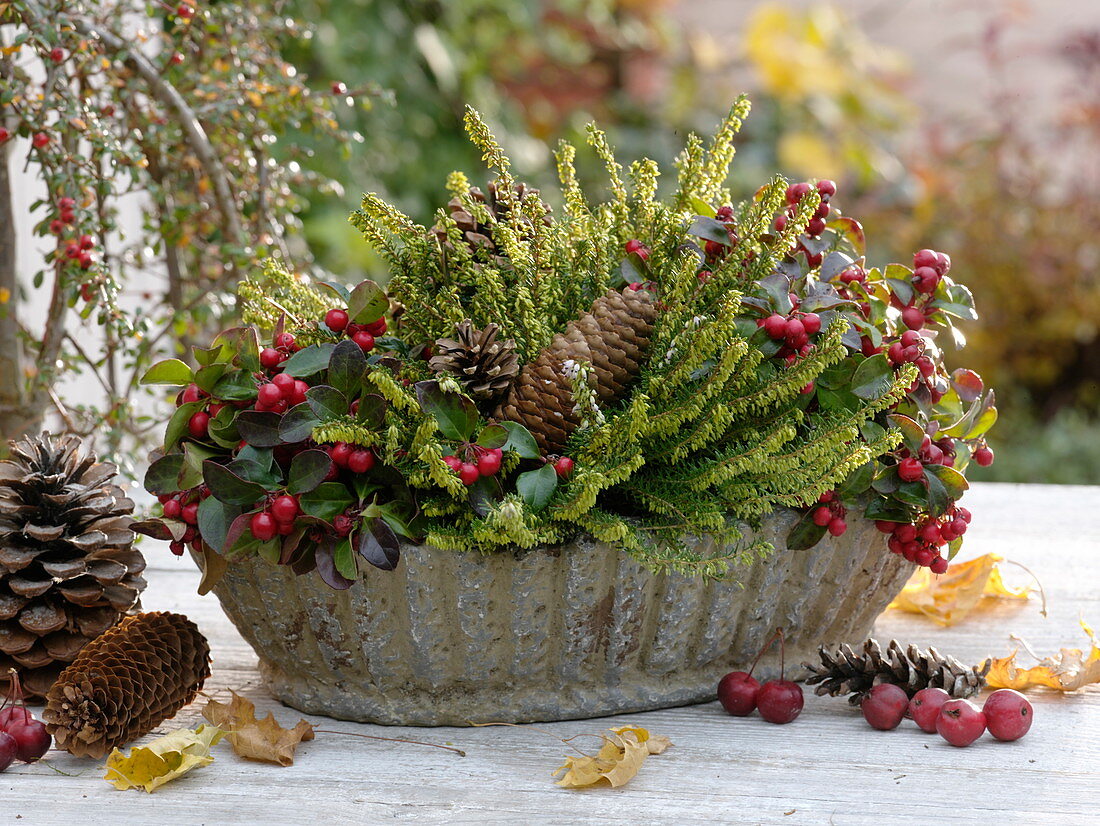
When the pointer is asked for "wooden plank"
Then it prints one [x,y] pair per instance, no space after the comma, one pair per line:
[828,767]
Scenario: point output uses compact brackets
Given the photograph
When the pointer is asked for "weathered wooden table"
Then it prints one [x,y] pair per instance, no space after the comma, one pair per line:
[827,767]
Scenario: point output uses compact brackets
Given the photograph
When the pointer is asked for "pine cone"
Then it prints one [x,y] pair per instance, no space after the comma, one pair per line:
[68,568]
[484,366]
[126,683]
[612,337]
[845,672]
[479,236]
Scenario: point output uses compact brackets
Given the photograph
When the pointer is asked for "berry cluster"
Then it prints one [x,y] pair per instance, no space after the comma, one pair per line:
[1006,714]
[22,737]
[830,513]
[778,701]
[184,506]
[714,250]
[276,518]
[338,321]
[480,461]
[199,423]
[816,225]
[921,542]
[280,394]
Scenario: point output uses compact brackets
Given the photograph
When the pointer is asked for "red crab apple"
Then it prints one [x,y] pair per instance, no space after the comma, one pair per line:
[960,722]
[884,706]
[1008,714]
[737,693]
[925,707]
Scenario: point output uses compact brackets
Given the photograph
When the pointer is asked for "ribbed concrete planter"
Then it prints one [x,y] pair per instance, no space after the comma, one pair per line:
[579,630]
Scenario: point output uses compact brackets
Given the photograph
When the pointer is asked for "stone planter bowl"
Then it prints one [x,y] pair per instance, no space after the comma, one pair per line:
[577,630]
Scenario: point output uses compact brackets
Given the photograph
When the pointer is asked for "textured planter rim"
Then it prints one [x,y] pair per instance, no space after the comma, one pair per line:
[565,632]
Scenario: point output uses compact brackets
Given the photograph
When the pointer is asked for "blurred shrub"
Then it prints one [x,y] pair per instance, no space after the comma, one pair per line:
[1064,450]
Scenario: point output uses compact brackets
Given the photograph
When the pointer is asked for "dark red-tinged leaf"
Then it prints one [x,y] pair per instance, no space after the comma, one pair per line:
[953,481]
[367,303]
[372,410]
[818,303]
[873,378]
[834,264]
[169,371]
[326,566]
[154,528]
[805,534]
[230,488]
[484,494]
[215,519]
[455,414]
[967,384]
[290,546]
[238,528]
[851,230]
[297,423]
[304,560]
[244,343]
[327,402]
[778,289]
[326,500]
[378,544]
[308,470]
[346,368]
[259,428]
[710,229]
[236,386]
[266,476]
[912,434]
[493,436]
[520,440]
[163,474]
[937,495]
[536,487]
[309,360]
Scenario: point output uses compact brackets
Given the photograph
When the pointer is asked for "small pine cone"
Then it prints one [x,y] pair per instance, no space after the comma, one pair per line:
[843,671]
[613,337]
[479,236]
[125,683]
[483,365]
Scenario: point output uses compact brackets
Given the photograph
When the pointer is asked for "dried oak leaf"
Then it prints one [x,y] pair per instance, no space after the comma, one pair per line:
[622,754]
[1069,670]
[951,596]
[254,739]
[151,766]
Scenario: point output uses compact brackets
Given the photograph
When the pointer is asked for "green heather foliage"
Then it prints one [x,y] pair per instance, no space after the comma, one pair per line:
[723,425]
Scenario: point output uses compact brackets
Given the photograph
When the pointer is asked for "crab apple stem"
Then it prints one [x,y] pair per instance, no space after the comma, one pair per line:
[765,647]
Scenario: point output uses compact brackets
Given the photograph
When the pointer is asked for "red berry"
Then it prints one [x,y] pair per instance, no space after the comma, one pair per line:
[960,722]
[468,473]
[939,565]
[638,248]
[14,716]
[884,526]
[737,693]
[176,59]
[815,227]
[925,706]
[190,513]
[339,88]
[563,467]
[360,461]
[453,462]
[924,556]
[910,470]
[57,54]
[926,279]
[285,383]
[31,739]
[40,140]
[298,393]
[822,517]
[340,453]
[983,456]
[925,258]
[85,260]
[912,318]
[780,223]
[342,524]
[931,533]
[285,508]
[796,191]
[269,395]
[57,226]
[4,134]
[884,706]
[271,358]
[8,749]
[827,188]
[896,353]
[199,425]
[811,323]
[365,341]
[943,263]
[336,320]
[185,11]
[724,213]
[376,328]
[263,526]
[775,326]
[488,464]
[837,527]
[284,341]
[793,331]
[86,242]
[911,338]
[1008,714]
[779,701]
[172,509]
[905,533]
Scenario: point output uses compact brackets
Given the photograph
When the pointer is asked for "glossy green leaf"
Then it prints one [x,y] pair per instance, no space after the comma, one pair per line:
[493,436]
[372,410]
[346,368]
[344,560]
[912,434]
[520,440]
[215,519]
[259,428]
[805,534]
[873,378]
[237,385]
[710,229]
[163,475]
[297,423]
[309,360]
[169,371]
[455,414]
[326,501]
[326,402]
[177,425]
[953,481]
[367,303]
[308,470]
[207,377]
[230,488]
[537,486]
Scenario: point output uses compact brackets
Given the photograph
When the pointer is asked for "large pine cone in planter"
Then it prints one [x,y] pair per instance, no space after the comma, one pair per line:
[68,569]
[613,337]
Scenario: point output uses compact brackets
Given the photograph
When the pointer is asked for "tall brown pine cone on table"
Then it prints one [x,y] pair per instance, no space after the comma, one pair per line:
[124,684]
[484,365]
[68,568]
[612,337]
[844,671]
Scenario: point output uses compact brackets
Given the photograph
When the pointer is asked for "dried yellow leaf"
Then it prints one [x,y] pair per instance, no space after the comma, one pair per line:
[951,596]
[1069,670]
[166,758]
[623,752]
[263,740]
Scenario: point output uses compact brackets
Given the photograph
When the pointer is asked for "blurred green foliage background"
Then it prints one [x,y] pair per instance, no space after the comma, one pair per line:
[829,102]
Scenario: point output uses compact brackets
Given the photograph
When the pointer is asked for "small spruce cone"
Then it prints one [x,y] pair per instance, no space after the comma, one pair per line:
[613,337]
[125,683]
[483,365]
[843,671]
[68,568]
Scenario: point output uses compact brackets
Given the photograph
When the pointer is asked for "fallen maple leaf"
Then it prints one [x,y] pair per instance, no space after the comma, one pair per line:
[951,596]
[164,759]
[618,760]
[1069,670]
[254,739]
